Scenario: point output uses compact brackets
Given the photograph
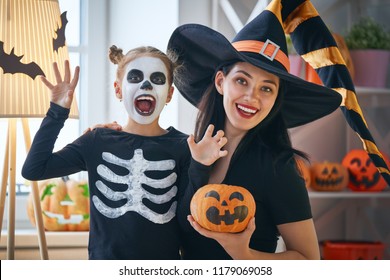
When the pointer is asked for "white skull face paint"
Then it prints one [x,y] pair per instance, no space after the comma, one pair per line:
[145,89]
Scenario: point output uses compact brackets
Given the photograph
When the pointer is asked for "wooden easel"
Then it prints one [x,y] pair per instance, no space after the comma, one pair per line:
[9,172]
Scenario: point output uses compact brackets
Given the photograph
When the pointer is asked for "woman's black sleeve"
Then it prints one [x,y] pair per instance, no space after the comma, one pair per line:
[198,176]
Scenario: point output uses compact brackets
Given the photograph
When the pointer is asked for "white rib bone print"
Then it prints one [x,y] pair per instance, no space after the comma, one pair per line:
[135,193]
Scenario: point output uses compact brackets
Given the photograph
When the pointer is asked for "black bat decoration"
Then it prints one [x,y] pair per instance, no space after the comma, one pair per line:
[60,40]
[10,63]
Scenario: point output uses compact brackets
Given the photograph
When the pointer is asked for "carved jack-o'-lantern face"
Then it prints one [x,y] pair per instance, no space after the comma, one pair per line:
[223,208]
[328,176]
[363,174]
[65,205]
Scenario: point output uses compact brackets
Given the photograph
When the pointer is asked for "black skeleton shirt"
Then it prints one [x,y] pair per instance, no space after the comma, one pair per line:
[134,181]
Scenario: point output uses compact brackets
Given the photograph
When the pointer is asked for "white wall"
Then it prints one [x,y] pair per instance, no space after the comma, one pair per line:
[200,14]
[132,23]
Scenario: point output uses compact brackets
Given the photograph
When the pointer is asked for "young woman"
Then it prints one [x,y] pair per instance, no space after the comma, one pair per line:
[135,174]
[243,89]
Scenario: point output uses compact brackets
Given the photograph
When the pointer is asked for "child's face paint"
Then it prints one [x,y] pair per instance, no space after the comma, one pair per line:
[145,89]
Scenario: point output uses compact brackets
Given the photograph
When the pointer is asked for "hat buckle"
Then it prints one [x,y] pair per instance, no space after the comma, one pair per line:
[264,48]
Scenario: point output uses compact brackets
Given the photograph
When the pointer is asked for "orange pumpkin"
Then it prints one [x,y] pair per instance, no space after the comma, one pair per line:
[329,176]
[363,174]
[223,208]
[304,171]
[65,205]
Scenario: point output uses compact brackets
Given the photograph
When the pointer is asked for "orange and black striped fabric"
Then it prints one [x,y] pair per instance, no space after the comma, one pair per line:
[314,42]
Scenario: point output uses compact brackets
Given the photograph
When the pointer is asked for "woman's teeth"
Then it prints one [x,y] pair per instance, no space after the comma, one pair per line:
[246,110]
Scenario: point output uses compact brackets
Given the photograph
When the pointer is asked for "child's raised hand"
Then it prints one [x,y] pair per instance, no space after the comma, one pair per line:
[62,92]
[208,150]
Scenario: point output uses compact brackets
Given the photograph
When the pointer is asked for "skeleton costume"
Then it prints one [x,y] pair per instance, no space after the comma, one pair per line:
[134,185]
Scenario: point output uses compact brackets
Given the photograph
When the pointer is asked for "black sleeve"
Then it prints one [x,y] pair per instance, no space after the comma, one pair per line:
[41,163]
[288,198]
[198,176]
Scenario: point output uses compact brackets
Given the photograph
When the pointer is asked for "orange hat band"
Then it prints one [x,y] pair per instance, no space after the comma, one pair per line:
[268,49]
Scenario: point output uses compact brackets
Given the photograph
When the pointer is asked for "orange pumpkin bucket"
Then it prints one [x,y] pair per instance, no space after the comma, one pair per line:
[353,250]
[329,176]
[363,174]
[223,208]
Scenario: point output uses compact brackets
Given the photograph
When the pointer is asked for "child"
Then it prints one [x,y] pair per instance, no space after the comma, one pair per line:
[134,174]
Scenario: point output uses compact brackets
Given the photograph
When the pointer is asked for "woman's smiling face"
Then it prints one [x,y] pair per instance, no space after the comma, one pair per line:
[249,93]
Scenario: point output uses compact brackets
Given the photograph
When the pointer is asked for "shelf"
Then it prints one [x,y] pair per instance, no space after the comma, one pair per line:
[349,194]
[360,91]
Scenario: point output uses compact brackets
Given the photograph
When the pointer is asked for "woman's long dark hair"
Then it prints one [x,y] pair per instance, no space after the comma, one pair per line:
[271,132]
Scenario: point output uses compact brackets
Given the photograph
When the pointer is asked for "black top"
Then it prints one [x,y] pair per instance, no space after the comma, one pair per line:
[279,192]
[134,185]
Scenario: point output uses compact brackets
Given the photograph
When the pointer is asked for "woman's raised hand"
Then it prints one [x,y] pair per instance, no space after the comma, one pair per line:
[62,92]
[114,126]
[208,150]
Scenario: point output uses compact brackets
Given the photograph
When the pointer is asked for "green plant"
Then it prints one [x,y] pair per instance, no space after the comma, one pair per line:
[290,46]
[367,34]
